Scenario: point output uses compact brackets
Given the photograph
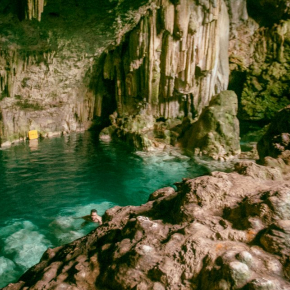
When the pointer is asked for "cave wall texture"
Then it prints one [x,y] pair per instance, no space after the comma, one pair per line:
[68,65]
[173,61]
[46,66]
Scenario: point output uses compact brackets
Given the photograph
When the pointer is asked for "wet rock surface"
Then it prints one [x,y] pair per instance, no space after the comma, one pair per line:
[215,133]
[219,231]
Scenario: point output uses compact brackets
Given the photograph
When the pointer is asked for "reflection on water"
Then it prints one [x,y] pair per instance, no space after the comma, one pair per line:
[47,184]
[33,144]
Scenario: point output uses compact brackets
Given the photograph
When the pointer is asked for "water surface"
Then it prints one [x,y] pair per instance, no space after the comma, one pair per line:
[47,184]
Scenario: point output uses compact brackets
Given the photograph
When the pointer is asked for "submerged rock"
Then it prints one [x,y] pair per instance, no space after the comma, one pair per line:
[221,231]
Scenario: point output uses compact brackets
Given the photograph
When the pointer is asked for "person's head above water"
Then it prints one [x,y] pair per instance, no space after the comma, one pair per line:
[94,215]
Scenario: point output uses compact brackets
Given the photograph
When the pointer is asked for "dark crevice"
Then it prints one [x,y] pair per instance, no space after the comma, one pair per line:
[54,14]
[236,83]
[267,12]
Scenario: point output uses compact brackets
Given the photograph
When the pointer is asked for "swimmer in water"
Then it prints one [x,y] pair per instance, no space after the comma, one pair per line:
[93,217]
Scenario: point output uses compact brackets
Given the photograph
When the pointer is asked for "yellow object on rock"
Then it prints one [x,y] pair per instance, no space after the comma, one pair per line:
[32,134]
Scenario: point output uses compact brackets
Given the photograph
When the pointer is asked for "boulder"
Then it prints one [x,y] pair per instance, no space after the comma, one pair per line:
[136,131]
[216,132]
[276,239]
[250,168]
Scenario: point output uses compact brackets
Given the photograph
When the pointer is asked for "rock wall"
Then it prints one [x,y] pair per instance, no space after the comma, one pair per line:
[152,74]
[159,59]
[43,91]
[173,62]
[47,66]
[266,89]
[34,9]
[169,65]
[259,57]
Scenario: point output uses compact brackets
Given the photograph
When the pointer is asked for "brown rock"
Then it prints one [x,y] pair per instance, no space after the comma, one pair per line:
[254,170]
[162,192]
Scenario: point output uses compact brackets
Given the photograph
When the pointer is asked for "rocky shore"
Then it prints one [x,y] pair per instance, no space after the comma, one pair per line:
[144,67]
[220,231]
[216,232]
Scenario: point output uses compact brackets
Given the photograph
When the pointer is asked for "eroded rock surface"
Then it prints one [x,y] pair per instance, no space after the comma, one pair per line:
[215,133]
[168,67]
[73,64]
[265,65]
[259,57]
[223,231]
[172,62]
[47,66]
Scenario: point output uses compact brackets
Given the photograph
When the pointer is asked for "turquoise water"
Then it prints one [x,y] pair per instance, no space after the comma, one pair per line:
[46,184]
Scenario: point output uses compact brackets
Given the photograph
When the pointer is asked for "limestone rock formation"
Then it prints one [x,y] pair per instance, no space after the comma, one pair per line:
[172,62]
[41,96]
[258,64]
[46,67]
[168,66]
[267,84]
[164,59]
[223,231]
[164,69]
[216,132]
[136,131]
[34,9]
[259,57]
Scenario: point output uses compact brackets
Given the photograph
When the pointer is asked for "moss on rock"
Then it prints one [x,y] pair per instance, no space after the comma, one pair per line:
[265,92]
[216,133]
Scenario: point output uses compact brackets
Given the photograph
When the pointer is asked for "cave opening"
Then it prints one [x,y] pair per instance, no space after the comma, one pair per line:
[267,12]
[250,130]
[108,105]
[237,80]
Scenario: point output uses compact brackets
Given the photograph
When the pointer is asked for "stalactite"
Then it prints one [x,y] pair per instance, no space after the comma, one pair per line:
[34,9]
[177,51]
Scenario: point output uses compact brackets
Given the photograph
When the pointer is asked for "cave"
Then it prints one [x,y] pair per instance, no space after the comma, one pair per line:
[168,121]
